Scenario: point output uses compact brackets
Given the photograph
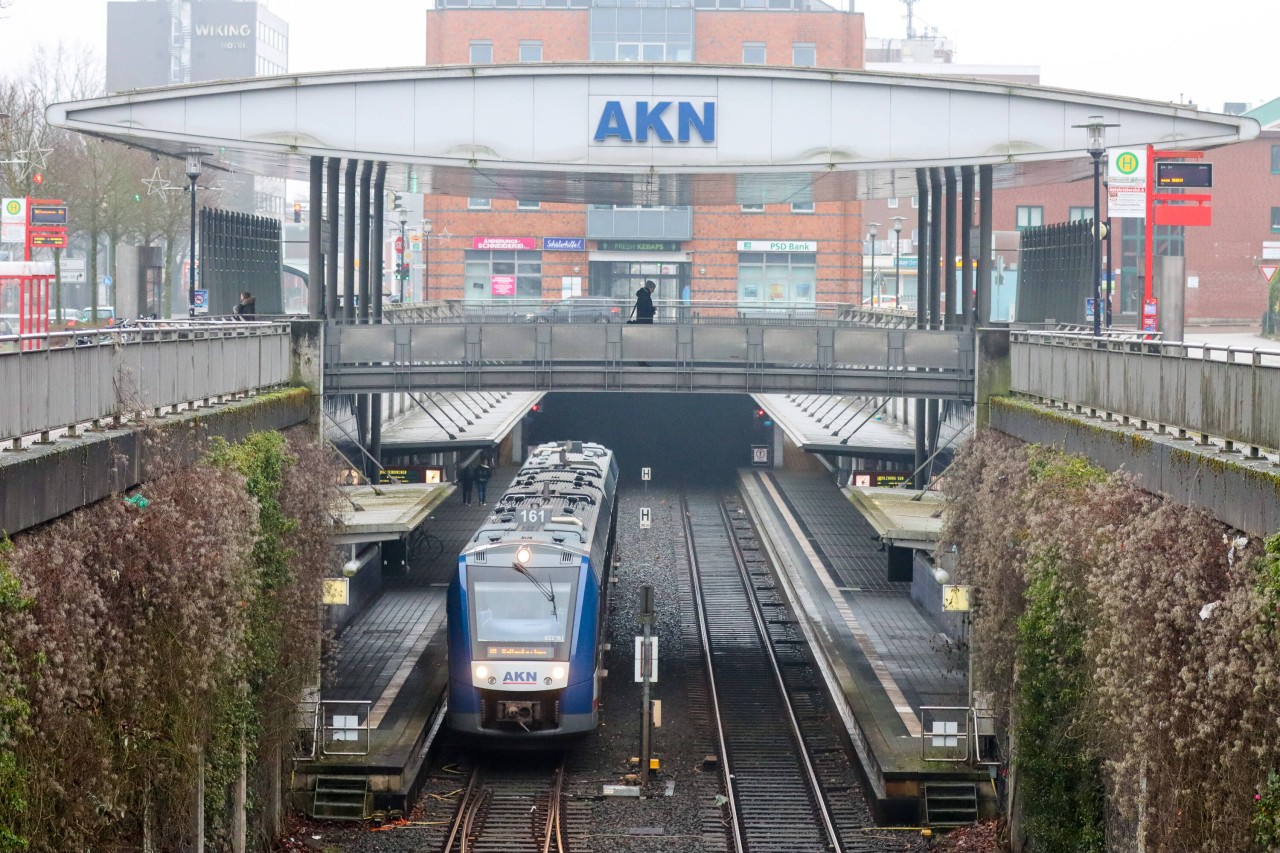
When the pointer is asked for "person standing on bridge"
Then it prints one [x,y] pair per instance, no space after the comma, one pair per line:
[483,472]
[247,308]
[644,309]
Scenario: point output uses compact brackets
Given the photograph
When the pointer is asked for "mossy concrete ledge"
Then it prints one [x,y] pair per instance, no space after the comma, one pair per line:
[1238,491]
[46,481]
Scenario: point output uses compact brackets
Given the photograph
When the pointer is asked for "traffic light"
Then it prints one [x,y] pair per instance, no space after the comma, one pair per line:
[137,196]
[297,212]
[763,420]
[535,409]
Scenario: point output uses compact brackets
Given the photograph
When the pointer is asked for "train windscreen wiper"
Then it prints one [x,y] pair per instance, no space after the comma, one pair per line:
[547,590]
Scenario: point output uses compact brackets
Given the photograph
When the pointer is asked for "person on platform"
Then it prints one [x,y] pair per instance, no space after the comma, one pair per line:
[483,472]
[247,307]
[644,309]
[466,476]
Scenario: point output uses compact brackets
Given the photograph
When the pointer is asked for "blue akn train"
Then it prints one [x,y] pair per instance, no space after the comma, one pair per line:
[529,601]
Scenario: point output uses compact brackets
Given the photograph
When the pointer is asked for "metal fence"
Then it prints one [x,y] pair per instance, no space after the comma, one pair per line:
[1230,393]
[83,377]
[669,311]
[1056,272]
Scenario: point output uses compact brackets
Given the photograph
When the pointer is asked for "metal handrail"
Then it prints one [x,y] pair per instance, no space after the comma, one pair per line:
[957,750]
[351,728]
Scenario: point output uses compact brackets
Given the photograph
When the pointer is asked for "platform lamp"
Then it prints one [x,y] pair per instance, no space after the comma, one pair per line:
[1096,129]
[194,169]
[897,260]
[875,228]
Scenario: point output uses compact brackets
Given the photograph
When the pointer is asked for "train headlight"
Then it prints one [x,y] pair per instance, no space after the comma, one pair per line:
[557,673]
[523,555]
[482,672]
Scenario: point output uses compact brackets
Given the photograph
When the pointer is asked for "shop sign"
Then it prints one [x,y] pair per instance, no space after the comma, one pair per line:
[564,244]
[505,244]
[777,245]
[638,246]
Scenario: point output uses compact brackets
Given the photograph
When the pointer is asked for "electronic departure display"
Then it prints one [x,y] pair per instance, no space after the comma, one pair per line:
[1196,175]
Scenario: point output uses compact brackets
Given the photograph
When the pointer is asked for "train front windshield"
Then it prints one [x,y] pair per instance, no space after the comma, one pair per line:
[513,609]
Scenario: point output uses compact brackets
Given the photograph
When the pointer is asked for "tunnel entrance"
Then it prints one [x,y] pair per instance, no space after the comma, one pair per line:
[687,439]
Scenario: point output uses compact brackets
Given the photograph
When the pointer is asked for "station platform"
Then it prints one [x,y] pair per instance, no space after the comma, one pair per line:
[386,678]
[876,647]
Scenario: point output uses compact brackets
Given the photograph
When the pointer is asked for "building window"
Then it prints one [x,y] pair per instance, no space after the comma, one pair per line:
[915,201]
[479,204]
[530,51]
[521,204]
[1030,216]
[1275,159]
[777,277]
[893,202]
[481,53]
[753,53]
[753,208]
[1078,213]
[641,32]
[804,54]
[488,276]
[802,207]
[1275,219]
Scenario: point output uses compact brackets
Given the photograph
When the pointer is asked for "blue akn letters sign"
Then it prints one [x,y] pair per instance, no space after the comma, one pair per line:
[652,118]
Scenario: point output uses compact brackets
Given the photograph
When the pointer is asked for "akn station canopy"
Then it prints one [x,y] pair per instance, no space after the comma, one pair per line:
[604,133]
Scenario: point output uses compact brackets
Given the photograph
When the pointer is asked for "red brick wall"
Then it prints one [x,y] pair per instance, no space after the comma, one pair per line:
[840,37]
[563,33]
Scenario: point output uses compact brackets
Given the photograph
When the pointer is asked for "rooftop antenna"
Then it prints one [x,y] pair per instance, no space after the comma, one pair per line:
[911,29]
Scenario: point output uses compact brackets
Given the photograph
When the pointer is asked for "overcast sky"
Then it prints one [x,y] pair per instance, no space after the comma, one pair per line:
[1154,49]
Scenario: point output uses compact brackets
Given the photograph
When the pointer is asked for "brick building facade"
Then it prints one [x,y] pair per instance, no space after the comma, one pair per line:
[812,250]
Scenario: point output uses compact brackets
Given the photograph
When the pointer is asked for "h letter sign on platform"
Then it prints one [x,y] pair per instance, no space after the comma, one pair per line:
[635,120]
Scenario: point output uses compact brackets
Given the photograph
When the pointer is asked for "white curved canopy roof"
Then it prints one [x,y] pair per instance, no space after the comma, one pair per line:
[573,132]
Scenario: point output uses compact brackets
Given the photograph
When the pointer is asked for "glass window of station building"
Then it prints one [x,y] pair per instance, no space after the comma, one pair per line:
[493,274]
[774,277]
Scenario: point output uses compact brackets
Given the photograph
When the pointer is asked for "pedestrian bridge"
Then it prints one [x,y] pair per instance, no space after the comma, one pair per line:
[702,347]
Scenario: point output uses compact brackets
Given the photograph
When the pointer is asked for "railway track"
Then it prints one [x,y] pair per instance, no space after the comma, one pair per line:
[511,809]
[787,775]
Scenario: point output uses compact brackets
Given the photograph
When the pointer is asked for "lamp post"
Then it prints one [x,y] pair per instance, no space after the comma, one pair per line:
[1095,127]
[874,226]
[193,174]
[426,259]
[897,260]
[402,274]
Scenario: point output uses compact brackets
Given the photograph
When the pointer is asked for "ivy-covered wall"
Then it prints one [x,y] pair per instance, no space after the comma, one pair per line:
[142,637]
[1133,645]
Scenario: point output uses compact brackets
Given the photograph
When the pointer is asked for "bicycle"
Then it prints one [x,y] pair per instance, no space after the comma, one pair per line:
[422,547]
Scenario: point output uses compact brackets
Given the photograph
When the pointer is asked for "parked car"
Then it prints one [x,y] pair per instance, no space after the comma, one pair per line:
[106,315]
[580,309]
[70,319]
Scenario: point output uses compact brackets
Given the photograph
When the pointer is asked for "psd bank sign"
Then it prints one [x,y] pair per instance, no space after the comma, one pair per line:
[653,119]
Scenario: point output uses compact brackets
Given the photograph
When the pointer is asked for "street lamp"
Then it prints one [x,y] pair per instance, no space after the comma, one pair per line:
[897,260]
[1096,129]
[193,174]
[402,273]
[426,259]
[874,226]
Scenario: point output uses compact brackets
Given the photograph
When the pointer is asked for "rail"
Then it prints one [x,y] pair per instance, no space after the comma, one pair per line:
[605,310]
[1230,393]
[66,379]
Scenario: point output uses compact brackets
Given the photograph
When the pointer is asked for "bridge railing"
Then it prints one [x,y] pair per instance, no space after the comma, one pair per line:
[604,310]
[1226,392]
[90,375]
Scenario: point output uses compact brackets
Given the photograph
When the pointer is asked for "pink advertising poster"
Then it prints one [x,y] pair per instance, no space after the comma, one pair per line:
[504,285]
